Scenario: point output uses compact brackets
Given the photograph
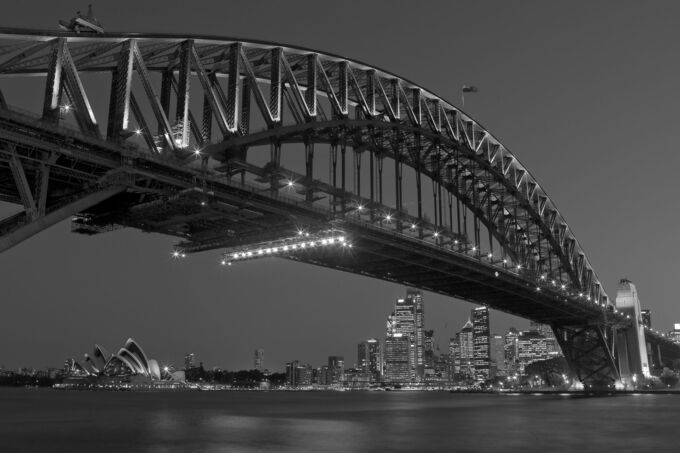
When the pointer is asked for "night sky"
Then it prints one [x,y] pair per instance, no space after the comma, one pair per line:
[586,95]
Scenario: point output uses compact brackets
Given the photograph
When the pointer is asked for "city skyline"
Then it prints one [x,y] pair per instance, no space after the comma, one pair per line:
[524,108]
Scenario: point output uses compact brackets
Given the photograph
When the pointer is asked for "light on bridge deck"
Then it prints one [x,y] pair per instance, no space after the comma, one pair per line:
[303,241]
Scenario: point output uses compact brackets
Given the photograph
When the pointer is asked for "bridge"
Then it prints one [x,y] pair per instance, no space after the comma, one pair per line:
[259,149]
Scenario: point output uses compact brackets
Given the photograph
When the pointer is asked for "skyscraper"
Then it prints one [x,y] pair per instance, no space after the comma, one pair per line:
[428,348]
[292,376]
[397,363]
[454,357]
[369,358]
[550,341]
[416,300]
[498,356]
[512,350]
[464,355]
[407,319]
[532,347]
[482,350]
[259,359]
[336,365]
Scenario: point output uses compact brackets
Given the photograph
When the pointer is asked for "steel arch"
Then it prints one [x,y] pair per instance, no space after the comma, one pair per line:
[385,113]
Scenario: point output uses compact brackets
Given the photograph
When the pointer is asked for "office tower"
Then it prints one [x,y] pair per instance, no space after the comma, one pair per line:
[408,320]
[397,363]
[405,324]
[464,356]
[646,318]
[369,358]
[498,355]
[416,300]
[259,359]
[189,361]
[532,347]
[454,357]
[292,375]
[303,375]
[428,348]
[481,339]
[552,346]
[325,377]
[336,365]
[442,367]
[512,350]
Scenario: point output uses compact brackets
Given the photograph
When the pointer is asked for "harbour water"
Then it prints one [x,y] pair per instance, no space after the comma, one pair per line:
[46,420]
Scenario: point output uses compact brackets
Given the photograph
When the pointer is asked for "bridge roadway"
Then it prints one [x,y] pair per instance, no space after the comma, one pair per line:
[218,197]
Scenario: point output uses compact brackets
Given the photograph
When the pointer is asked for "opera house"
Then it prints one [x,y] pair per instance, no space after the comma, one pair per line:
[128,368]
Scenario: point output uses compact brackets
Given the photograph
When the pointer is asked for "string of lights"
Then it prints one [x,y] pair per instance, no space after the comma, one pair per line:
[303,241]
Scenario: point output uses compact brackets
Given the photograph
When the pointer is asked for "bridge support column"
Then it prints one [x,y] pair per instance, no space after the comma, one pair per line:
[588,355]
[630,344]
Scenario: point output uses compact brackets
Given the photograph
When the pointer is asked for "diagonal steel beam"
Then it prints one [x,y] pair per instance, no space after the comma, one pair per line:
[262,104]
[53,85]
[121,87]
[182,115]
[22,184]
[83,109]
[161,117]
[141,122]
[210,98]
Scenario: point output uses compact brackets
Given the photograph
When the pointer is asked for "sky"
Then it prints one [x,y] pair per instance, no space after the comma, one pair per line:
[585,94]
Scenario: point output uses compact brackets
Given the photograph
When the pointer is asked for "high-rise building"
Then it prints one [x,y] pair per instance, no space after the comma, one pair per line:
[498,356]
[464,365]
[512,350]
[304,375]
[336,365]
[259,359]
[298,375]
[429,348]
[405,324]
[324,376]
[481,337]
[532,347]
[416,299]
[189,361]
[292,376]
[369,358]
[454,357]
[646,317]
[397,363]
[442,367]
[407,319]
[550,340]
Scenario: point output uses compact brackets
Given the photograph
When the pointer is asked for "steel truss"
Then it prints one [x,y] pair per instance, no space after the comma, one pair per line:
[163,167]
[589,354]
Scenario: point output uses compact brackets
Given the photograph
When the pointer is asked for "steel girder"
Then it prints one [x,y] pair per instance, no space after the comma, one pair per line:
[588,353]
[411,125]
[301,97]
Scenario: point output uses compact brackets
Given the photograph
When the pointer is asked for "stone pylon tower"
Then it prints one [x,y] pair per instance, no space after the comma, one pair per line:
[631,347]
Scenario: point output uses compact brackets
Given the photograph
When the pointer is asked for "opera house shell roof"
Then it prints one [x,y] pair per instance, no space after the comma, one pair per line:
[130,360]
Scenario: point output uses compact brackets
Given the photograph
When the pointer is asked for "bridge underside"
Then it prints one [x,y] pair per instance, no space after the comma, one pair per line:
[154,197]
[216,181]
[131,190]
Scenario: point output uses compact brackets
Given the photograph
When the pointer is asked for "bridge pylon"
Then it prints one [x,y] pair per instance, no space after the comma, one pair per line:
[631,347]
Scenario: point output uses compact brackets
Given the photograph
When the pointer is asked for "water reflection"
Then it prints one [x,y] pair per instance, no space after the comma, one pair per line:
[49,421]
